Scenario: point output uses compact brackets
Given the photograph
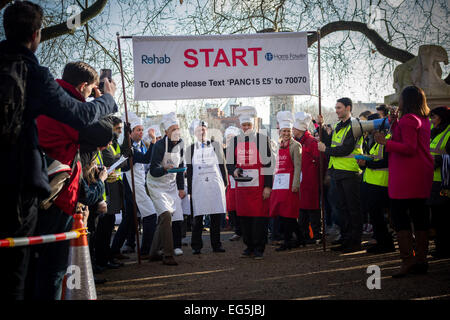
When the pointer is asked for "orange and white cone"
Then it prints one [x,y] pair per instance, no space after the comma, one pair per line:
[79,279]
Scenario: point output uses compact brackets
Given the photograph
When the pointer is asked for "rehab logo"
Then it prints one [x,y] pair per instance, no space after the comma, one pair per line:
[154,59]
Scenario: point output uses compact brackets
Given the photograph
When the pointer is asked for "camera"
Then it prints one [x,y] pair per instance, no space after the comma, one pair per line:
[104,73]
[97,173]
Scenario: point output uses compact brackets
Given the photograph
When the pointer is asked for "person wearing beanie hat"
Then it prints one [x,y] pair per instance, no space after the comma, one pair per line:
[285,198]
[251,156]
[144,205]
[166,188]
[309,185]
[229,134]
[207,180]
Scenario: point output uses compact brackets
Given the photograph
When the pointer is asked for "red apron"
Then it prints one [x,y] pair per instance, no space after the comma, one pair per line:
[249,195]
[231,194]
[284,202]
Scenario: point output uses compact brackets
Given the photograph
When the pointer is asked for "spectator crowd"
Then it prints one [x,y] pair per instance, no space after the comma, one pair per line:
[389,184]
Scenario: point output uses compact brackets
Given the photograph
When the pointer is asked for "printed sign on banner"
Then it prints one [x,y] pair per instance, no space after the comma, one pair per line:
[220,66]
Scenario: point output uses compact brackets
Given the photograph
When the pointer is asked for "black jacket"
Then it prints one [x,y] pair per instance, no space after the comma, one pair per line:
[25,168]
[220,158]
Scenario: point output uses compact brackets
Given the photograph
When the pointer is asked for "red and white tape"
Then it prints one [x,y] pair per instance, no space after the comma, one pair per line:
[28,241]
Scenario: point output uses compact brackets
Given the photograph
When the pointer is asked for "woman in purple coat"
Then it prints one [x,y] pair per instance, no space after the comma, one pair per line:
[410,177]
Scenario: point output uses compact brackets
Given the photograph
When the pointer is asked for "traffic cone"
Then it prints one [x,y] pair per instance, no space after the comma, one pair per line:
[79,279]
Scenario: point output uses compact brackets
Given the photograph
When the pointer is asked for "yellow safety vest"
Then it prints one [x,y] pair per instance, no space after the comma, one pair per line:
[378,177]
[437,147]
[116,152]
[347,163]
[99,161]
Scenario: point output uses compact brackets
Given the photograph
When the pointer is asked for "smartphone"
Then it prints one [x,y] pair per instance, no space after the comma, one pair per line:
[104,73]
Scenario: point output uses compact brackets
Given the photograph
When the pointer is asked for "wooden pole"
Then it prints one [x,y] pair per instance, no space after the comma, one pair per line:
[131,157]
[322,215]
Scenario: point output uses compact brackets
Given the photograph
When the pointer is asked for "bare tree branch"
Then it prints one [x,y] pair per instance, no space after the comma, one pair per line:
[86,15]
[381,45]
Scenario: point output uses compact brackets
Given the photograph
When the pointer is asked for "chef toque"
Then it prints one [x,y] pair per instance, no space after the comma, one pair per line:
[169,120]
[285,119]
[197,123]
[302,120]
[246,114]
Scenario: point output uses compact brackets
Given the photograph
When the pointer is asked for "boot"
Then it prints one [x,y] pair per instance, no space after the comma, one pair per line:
[421,265]
[405,244]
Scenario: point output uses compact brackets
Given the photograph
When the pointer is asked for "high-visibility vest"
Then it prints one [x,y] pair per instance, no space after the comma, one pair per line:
[116,152]
[99,161]
[437,147]
[348,162]
[378,177]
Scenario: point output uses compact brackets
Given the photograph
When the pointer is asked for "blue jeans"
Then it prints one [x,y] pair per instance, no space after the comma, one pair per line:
[49,262]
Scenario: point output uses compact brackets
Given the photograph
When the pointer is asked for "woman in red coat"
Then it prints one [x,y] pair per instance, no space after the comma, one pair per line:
[410,177]
[309,184]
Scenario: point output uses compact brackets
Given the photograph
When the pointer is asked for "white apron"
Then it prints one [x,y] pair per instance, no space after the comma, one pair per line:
[163,190]
[208,190]
[143,201]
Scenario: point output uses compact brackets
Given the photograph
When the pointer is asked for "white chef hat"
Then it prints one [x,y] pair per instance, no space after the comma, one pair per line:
[246,114]
[157,129]
[133,119]
[302,120]
[231,130]
[197,123]
[285,119]
[169,120]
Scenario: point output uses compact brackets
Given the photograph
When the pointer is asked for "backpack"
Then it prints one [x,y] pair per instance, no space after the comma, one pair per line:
[13,76]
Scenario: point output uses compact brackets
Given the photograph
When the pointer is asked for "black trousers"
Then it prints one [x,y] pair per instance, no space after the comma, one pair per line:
[254,232]
[177,233]
[148,232]
[377,201]
[105,226]
[440,218]
[49,262]
[290,226]
[234,221]
[348,204]
[305,218]
[405,211]
[19,219]
[197,241]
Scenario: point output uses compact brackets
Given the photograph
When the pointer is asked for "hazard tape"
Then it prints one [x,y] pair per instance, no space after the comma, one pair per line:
[49,238]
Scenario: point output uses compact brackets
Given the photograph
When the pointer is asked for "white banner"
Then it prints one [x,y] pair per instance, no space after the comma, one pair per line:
[220,66]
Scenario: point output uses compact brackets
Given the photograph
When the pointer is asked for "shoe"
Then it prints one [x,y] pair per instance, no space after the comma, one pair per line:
[258,256]
[99,280]
[128,249]
[235,237]
[196,251]
[419,268]
[246,254]
[115,261]
[96,269]
[282,248]
[219,250]
[155,258]
[178,252]
[170,261]
[421,263]
[112,265]
[120,256]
